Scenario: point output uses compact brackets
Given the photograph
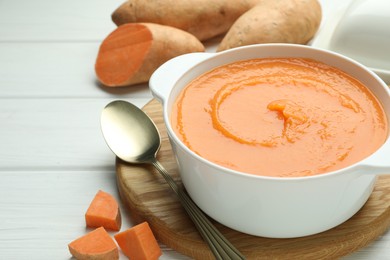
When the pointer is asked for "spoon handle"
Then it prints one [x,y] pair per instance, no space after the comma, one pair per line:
[219,245]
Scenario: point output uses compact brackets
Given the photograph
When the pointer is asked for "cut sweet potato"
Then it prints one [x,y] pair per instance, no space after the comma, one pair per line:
[139,243]
[103,212]
[96,245]
[202,18]
[275,21]
[132,52]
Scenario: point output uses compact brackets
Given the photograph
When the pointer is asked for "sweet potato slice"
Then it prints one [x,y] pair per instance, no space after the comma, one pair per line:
[132,52]
[139,243]
[95,245]
[202,18]
[275,21]
[103,212]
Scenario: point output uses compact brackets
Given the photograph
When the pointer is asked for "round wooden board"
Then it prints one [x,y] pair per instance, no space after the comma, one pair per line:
[150,199]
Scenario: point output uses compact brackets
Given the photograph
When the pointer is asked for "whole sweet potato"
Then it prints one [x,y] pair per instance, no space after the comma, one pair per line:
[202,18]
[275,21]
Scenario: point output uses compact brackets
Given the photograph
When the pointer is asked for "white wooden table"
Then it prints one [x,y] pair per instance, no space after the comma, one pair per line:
[53,158]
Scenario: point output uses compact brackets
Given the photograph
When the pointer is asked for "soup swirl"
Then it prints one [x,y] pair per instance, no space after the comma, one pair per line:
[281,117]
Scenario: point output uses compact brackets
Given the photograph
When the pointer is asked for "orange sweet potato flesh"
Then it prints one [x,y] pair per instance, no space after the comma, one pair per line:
[202,18]
[139,243]
[275,21]
[132,52]
[95,245]
[103,212]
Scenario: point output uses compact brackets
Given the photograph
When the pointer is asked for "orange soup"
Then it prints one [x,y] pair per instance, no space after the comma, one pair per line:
[281,117]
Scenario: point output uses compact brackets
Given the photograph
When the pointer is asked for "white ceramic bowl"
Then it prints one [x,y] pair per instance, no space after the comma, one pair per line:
[270,206]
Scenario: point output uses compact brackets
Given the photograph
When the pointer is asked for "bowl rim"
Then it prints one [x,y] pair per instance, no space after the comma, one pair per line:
[345,170]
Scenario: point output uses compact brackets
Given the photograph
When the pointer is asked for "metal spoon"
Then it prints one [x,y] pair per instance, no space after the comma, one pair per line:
[134,138]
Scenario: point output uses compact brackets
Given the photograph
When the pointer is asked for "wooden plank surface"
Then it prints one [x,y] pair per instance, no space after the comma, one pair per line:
[52,155]
[53,133]
[55,69]
[53,21]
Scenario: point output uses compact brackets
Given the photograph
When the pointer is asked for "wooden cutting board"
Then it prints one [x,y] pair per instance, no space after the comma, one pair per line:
[150,199]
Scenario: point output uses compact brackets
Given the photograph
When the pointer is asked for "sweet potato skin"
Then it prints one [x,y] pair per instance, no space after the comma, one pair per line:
[167,43]
[275,21]
[202,18]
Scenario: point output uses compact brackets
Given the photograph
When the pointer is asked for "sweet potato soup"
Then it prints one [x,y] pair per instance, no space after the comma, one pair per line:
[285,117]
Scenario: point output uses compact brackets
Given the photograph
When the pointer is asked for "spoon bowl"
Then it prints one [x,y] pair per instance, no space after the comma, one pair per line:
[130,133]
[134,138]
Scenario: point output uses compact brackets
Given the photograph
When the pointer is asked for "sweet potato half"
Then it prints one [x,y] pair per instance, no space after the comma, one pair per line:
[132,52]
